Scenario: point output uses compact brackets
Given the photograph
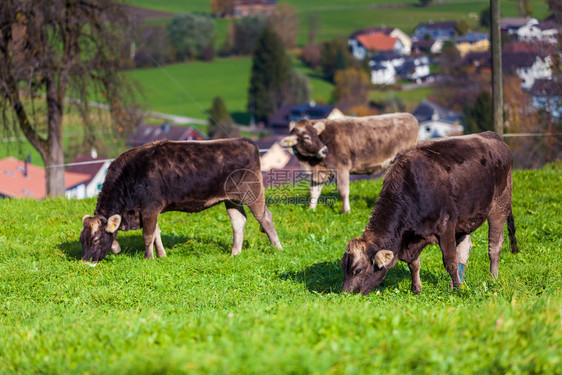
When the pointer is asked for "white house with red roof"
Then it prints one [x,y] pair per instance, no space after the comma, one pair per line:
[20,179]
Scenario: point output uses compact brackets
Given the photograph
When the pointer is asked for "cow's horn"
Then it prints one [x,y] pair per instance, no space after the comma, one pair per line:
[292,125]
[289,141]
[319,126]
[85,217]
[383,258]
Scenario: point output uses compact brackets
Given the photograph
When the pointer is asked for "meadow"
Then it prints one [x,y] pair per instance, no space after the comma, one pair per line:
[265,311]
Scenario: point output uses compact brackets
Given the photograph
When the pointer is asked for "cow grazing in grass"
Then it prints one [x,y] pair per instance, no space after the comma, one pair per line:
[437,192]
[185,176]
[351,145]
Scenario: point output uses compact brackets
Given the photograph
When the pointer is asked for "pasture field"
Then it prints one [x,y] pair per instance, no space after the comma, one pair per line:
[265,311]
[188,89]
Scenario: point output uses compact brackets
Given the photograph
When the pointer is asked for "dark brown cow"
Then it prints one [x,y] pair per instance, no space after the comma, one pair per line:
[351,145]
[438,192]
[176,176]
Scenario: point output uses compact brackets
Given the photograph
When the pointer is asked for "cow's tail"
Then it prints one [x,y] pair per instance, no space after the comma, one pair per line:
[511,232]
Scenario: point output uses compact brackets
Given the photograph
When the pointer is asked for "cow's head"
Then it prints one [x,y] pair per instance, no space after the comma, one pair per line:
[98,236]
[305,140]
[364,267]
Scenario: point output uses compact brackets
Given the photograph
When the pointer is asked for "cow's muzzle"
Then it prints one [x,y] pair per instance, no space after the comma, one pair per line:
[322,152]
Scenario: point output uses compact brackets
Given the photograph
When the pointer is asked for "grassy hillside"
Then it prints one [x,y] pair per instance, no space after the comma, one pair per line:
[188,89]
[201,311]
[339,19]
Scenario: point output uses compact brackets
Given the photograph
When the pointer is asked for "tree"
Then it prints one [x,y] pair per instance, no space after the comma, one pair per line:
[351,87]
[269,75]
[189,33]
[297,88]
[221,8]
[51,49]
[285,22]
[220,122]
[485,18]
[243,35]
[462,27]
[153,47]
[478,117]
[555,7]
[334,56]
[425,3]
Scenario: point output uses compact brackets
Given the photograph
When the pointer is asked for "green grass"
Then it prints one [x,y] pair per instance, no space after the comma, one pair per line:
[201,311]
[188,89]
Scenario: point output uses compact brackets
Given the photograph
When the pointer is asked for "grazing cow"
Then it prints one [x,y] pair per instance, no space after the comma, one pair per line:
[437,192]
[185,176]
[352,145]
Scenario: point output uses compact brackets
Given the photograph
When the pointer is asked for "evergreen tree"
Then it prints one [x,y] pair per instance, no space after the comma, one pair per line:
[478,117]
[269,75]
[220,122]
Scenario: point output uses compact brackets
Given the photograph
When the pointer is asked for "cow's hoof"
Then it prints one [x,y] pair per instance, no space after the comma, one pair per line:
[235,252]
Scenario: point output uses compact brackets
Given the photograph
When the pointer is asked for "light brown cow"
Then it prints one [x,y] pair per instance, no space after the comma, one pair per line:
[351,145]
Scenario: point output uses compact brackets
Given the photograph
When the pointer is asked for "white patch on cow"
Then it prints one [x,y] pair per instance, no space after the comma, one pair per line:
[319,126]
[383,258]
[463,250]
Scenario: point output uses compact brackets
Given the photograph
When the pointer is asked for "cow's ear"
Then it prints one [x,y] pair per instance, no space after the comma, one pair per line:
[319,126]
[84,218]
[113,223]
[289,141]
[383,258]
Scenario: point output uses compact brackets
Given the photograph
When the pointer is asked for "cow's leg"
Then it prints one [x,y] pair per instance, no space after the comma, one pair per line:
[449,249]
[414,266]
[158,242]
[343,189]
[238,220]
[464,245]
[264,217]
[495,242]
[315,190]
[149,224]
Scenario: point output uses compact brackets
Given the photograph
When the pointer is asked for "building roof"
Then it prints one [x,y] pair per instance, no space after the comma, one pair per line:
[520,47]
[428,110]
[444,25]
[549,25]
[471,37]
[296,112]
[370,30]
[87,165]
[512,61]
[514,22]
[150,133]
[16,183]
[377,41]
[546,87]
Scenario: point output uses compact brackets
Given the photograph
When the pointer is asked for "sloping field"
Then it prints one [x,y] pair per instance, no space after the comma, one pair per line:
[201,311]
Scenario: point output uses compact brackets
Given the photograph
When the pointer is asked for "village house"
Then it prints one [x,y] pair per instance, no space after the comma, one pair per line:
[21,179]
[385,67]
[280,121]
[244,8]
[423,46]
[92,166]
[436,121]
[435,31]
[150,133]
[472,42]
[359,50]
